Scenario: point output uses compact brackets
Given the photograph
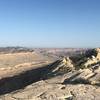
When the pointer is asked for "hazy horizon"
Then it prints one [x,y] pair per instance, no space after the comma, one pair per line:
[50,23]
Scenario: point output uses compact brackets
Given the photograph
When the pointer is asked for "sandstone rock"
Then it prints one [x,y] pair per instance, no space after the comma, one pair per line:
[59,67]
[91,58]
[85,76]
[62,81]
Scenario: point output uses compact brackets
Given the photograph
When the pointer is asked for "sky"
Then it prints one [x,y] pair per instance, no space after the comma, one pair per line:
[50,23]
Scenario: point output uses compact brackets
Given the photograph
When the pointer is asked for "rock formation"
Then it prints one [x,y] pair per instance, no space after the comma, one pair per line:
[64,79]
[91,58]
[59,67]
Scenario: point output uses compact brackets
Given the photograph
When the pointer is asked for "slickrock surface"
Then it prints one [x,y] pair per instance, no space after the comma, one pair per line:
[43,90]
[61,80]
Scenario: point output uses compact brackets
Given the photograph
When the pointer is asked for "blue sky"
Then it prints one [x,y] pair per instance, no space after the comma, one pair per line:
[50,23]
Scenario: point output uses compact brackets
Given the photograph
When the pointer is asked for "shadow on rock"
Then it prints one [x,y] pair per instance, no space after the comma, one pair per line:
[10,84]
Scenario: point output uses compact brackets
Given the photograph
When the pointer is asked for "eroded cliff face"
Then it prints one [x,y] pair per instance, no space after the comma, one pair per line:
[62,80]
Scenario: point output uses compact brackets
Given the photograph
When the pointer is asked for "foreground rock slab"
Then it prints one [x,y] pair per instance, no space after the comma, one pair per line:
[43,90]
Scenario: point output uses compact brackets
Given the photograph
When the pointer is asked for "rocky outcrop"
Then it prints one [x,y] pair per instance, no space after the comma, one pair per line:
[59,67]
[62,80]
[91,58]
[84,76]
[64,65]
